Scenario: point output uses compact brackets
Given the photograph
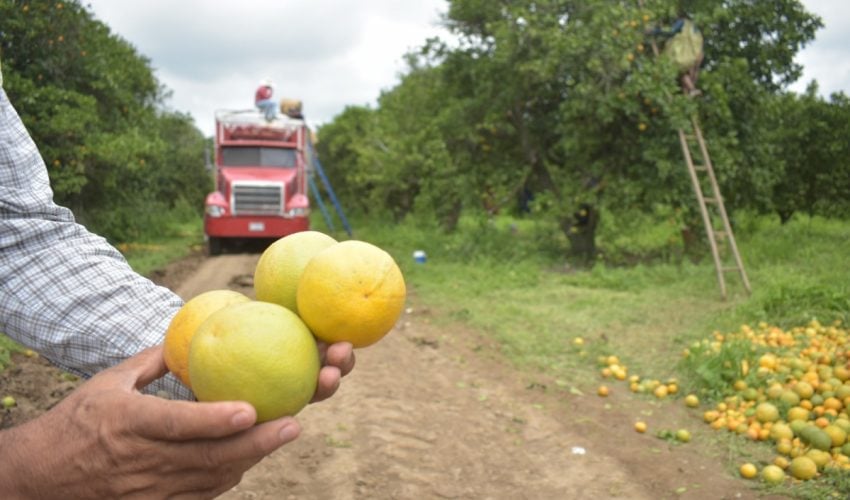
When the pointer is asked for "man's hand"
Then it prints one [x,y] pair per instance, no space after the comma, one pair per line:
[107,440]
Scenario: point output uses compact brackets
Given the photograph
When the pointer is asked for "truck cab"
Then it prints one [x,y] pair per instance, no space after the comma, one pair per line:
[260,179]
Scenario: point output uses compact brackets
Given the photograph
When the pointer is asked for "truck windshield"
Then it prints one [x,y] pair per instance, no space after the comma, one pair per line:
[257,157]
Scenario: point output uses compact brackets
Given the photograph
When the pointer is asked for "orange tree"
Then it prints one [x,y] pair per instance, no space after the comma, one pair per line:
[813,154]
[564,103]
[93,106]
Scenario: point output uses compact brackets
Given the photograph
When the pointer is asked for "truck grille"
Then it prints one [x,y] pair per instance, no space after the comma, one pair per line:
[255,198]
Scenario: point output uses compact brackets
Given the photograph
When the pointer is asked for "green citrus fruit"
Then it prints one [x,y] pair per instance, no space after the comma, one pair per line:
[257,352]
[282,263]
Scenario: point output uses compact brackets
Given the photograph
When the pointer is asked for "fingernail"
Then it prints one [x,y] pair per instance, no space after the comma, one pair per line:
[242,419]
[288,433]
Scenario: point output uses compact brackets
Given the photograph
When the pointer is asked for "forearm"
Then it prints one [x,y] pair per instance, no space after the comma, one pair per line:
[64,291]
[73,298]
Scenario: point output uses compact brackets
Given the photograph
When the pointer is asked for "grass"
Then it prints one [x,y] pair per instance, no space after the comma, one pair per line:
[507,280]
[495,279]
[176,241]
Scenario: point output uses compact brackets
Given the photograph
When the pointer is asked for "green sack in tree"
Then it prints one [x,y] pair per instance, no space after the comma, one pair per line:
[685,47]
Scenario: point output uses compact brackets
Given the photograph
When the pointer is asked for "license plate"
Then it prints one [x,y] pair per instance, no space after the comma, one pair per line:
[256,226]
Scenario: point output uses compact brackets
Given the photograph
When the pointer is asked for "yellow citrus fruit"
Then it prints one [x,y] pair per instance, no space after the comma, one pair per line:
[773,474]
[683,435]
[352,291]
[781,430]
[798,413]
[803,468]
[257,352]
[819,457]
[281,264]
[767,412]
[836,434]
[640,427]
[602,391]
[184,324]
[784,446]
[691,401]
[803,389]
[748,471]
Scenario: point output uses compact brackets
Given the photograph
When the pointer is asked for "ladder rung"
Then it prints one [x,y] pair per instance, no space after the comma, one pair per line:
[710,200]
[701,168]
[729,269]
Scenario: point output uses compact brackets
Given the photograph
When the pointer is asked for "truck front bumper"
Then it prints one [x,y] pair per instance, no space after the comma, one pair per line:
[254,227]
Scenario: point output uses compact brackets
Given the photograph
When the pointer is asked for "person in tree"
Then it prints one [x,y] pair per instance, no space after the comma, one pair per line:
[263,99]
[683,44]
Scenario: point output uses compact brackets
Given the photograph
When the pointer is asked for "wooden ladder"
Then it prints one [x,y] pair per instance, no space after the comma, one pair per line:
[714,198]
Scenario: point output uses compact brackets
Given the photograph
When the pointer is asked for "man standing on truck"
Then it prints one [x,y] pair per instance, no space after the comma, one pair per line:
[263,99]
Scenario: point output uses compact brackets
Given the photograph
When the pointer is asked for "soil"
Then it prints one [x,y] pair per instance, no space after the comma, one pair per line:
[435,411]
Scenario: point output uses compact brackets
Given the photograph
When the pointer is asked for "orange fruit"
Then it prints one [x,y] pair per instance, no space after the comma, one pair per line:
[282,263]
[352,291]
[640,427]
[748,471]
[602,391]
[257,352]
[184,324]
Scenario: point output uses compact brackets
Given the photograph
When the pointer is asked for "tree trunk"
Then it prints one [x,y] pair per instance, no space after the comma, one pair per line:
[580,229]
[582,234]
[785,215]
[692,243]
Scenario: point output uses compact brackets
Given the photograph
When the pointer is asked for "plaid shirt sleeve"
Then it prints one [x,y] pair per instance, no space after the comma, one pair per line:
[64,291]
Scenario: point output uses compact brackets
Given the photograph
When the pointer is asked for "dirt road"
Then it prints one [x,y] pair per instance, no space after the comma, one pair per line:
[431,412]
[435,412]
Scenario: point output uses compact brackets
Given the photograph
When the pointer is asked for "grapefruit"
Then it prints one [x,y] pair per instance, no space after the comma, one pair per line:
[803,468]
[281,264]
[352,291]
[257,352]
[184,324]
[773,474]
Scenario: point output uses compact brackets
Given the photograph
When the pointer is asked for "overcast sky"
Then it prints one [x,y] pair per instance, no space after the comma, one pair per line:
[333,53]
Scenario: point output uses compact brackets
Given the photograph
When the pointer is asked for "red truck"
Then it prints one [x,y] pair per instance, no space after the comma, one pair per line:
[260,179]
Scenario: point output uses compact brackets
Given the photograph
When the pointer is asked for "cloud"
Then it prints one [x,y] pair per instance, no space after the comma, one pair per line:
[334,53]
[328,53]
[827,59]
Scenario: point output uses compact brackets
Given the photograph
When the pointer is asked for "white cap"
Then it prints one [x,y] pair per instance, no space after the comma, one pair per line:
[266,82]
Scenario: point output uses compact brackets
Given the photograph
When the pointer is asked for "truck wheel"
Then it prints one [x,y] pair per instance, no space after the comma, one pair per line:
[214,246]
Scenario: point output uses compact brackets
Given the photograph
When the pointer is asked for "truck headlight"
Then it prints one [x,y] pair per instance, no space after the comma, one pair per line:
[215,210]
[297,212]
